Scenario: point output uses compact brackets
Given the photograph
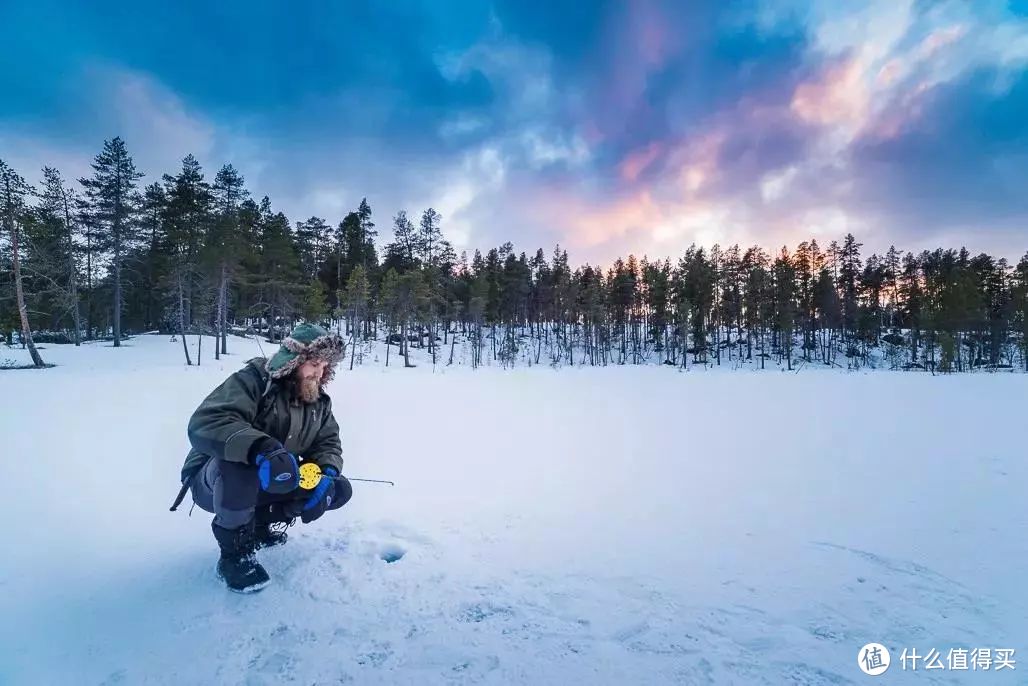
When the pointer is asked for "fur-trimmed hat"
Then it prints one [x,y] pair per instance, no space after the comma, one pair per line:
[307,342]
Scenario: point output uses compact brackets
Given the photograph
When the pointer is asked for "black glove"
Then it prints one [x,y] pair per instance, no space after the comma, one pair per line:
[277,468]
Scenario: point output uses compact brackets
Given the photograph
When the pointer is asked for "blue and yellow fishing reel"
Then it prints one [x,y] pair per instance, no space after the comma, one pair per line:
[310,475]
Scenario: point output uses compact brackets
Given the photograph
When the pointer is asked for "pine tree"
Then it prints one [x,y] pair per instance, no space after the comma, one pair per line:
[479,295]
[893,268]
[187,220]
[313,304]
[784,276]
[698,282]
[227,245]
[111,194]
[828,309]
[279,276]
[152,227]
[912,298]
[13,190]
[429,237]
[849,273]
[656,279]
[755,299]
[731,296]
[358,292]
[387,307]
[410,298]
[402,253]
[55,211]
[367,235]
[1019,305]
[312,245]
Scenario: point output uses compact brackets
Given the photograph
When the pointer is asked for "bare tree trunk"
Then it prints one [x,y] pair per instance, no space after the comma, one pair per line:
[406,346]
[353,348]
[117,293]
[72,273]
[223,310]
[23,313]
[217,327]
[571,347]
[476,355]
[117,267]
[89,284]
[182,319]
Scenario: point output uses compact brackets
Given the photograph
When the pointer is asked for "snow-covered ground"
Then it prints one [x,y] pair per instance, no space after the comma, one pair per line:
[626,525]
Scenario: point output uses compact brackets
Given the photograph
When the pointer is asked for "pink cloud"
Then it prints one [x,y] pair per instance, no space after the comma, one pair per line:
[626,215]
[639,160]
[838,96]
[890,72]
[696,160]
[939,39]
[590,227]
[904,111]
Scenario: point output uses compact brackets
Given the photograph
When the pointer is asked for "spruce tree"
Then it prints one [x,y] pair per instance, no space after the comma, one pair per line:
[227,245]
[113,200]
[13,190]
[358,292]
[55,211]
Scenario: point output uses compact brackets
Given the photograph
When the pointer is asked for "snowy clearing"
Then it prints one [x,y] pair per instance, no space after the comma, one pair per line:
[624,525]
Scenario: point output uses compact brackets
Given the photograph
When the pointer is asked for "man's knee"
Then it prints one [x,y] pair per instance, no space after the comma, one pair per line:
[236,489]
[201,486]
[343,493]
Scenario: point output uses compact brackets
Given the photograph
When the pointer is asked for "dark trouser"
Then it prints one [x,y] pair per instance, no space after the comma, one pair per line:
[232,492]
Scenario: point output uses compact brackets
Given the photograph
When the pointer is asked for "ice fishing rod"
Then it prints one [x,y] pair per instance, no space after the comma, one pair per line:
[310,475]
[371,481]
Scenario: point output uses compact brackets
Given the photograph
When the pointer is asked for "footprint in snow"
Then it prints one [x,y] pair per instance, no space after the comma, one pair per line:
[479,612]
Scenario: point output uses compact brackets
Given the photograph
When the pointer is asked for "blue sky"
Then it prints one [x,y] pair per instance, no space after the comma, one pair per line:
[609,127]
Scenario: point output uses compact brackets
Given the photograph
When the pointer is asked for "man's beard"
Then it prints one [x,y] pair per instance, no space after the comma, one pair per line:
[308,389]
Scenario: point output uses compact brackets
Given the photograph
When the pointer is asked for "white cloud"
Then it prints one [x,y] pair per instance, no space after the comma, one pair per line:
[774,185]
[158,128]
[542,148]
[462,125]
[155,122]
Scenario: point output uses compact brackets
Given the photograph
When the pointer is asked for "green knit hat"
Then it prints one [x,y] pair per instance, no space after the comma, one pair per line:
[307,342]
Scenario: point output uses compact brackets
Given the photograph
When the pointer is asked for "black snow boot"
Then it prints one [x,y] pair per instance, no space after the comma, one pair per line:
[271,525]
[238,566]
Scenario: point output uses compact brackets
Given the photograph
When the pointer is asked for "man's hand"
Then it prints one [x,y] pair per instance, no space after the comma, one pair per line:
[320,498]
[277,469]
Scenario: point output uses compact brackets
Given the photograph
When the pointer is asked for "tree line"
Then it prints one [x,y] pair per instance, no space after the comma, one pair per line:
[108,256]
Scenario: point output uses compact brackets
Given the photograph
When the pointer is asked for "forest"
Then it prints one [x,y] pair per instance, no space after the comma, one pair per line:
[109,256]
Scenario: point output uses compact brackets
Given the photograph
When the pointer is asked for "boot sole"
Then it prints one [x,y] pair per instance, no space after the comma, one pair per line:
[250,589]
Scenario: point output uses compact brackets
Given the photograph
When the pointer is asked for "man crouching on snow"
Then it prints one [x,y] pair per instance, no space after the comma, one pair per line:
[251,436]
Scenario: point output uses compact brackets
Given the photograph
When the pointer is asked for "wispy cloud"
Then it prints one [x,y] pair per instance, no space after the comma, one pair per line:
[610,128]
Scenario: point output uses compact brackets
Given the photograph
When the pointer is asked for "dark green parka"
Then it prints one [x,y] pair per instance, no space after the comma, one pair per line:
[250,406]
